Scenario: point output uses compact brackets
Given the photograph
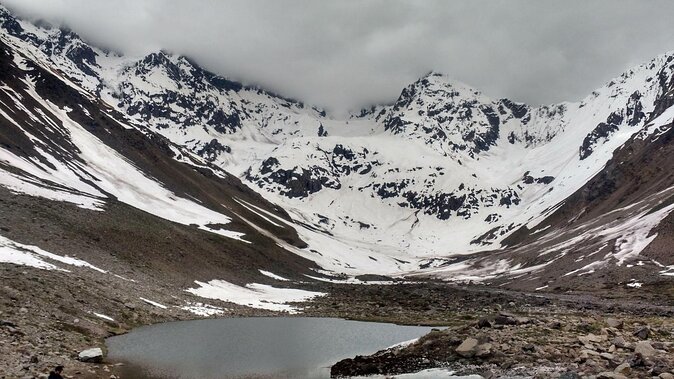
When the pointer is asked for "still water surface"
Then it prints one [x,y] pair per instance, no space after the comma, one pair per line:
[278,347]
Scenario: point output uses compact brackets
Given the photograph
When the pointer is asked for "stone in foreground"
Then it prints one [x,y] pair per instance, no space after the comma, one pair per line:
[93,355]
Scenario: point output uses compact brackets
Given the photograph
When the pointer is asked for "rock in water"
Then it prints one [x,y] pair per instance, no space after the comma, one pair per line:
[93,355]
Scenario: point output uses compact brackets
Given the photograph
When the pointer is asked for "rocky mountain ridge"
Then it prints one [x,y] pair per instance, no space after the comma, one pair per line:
[442,172]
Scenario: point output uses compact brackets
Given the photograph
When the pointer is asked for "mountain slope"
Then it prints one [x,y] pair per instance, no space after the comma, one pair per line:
[443,171]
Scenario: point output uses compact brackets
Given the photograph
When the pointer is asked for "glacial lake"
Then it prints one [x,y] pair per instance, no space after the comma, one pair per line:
[254,347]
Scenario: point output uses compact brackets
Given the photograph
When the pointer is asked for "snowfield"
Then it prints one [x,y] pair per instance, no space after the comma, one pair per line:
[254,295]
[20,254]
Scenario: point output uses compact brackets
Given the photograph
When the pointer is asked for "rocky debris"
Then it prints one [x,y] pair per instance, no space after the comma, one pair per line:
[643,332]
[580,348]
[569,375]
[610,375]
[589,339]
[614,323]
[623,369]
[484,323]
[504,318]
[471,347]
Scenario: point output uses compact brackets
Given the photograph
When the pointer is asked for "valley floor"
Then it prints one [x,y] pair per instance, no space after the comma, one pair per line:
[47,318]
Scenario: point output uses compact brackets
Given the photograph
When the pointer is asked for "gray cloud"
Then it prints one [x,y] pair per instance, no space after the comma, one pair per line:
[346,54]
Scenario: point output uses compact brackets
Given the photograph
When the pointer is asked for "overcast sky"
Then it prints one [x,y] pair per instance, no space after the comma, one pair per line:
[346,54]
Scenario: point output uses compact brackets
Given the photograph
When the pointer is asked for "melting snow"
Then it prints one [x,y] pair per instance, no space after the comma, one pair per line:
[153,303]
[254,295]
[104,317]
[27,255]
[433,373]
[273,276]
[202,309]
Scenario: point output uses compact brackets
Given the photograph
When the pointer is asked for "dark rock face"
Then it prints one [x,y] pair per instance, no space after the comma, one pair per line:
[443,205]
[10,24]
[190,81]
[212,150]
[665,97]
[322,132]
[299,182]
[518,110]
[455,119]
[602,131]
[295,183]
[528,179]
[632,115]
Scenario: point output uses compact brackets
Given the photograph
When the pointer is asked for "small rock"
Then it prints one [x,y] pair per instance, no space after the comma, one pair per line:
[529,348]
[591,338]
[467,347]
[587,353]
[607,356]
[483,350]
[570,375]
[645,349]
[523,320]
[636,360]
[556,325]
[623,369]
[620,342]
[483,323]
[7,323]
[614,323]
[93,355]
[660,366]
[657,345]
[666,375]
[504,318]
[610,375]
[643,332]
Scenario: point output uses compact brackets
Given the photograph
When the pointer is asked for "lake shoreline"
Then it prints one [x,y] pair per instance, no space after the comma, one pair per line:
[426,303]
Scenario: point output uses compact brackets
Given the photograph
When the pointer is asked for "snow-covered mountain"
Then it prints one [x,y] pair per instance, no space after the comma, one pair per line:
[444,171]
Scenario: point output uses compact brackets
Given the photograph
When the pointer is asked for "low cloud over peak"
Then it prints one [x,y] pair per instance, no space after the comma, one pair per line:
[348,54]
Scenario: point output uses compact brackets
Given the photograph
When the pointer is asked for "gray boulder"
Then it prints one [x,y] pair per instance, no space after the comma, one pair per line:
[645,349]
[93,355]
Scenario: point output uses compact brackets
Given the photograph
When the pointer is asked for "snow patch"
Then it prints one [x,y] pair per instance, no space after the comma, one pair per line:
[254,295]
[203,309]
[27,255]
[273,276]
[154,303]
[104,317]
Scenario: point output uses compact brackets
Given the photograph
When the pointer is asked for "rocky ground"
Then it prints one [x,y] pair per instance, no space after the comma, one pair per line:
[498,333]
[494,333]
[48,317]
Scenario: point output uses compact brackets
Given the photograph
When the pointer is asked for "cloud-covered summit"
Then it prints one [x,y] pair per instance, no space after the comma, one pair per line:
[348,54]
